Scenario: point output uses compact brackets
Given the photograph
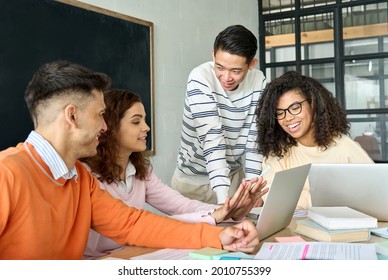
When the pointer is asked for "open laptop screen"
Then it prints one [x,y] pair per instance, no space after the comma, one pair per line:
[363,187]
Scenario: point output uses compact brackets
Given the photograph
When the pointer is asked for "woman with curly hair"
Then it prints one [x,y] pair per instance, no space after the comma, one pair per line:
[124,170]
[300,122]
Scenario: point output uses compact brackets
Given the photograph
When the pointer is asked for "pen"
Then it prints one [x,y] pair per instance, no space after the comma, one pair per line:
[230,258]
[235,258]
[265,171]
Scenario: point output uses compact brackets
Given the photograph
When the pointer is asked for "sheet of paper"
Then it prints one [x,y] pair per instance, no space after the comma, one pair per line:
[316,251]
[166,254]
[256,210]
[300,213]
[289,239]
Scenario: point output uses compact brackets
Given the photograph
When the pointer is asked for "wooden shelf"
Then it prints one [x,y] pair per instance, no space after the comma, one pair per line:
[327,35]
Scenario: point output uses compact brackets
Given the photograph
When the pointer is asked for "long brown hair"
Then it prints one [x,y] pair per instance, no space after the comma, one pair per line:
[104,164]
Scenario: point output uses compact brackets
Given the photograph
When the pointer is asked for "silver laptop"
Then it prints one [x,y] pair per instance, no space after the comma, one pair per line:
[282,198]
[363,187]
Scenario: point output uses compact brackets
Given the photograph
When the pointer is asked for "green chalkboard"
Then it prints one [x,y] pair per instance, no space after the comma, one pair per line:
[33,32]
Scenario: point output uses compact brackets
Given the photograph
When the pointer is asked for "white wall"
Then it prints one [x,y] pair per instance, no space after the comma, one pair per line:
[184,32]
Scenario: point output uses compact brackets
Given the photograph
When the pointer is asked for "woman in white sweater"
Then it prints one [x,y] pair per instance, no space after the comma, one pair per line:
[301,122]
[123,169]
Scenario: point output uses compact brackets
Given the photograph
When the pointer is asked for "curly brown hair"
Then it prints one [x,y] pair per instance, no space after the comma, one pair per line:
[104,164]
[329,118]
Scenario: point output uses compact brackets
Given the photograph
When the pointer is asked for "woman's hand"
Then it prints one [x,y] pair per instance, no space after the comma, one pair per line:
[248,195]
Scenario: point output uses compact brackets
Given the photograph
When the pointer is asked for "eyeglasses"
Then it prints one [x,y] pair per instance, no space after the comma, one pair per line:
[294,109]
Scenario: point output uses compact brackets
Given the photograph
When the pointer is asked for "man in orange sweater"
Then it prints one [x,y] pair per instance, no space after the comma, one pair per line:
[48,200]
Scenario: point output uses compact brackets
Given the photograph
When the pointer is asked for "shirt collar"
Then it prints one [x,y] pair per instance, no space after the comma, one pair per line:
[130,170]
[50,156]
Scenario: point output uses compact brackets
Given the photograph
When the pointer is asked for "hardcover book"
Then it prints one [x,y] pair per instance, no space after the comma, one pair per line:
[314,231]
[341,217]
[382,232]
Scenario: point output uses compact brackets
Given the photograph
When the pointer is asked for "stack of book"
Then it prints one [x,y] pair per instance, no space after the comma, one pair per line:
[336,224]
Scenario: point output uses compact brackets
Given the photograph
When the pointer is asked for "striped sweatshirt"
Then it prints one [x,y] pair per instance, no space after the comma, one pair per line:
[219,129]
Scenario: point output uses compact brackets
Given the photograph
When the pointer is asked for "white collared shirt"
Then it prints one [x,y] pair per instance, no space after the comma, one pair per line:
[126,186]
[50,156]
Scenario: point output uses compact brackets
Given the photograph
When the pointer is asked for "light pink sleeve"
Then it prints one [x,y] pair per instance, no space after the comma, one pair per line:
[171,202]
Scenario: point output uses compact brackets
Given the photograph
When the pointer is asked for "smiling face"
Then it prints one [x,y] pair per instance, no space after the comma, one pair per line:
[231,69]
[90,125]
[132,133]
[298,126]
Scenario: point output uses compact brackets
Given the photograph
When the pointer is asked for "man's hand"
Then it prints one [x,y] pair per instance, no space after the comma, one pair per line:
[247,196]
[241,237]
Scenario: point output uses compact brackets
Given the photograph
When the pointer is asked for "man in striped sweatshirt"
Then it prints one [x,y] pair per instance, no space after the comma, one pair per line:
[217,147]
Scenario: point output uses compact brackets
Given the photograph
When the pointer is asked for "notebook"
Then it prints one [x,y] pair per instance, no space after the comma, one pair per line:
[363,187]
[282,198]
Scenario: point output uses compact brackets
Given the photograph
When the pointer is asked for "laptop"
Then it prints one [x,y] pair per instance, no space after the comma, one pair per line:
[282,198]
[363,187]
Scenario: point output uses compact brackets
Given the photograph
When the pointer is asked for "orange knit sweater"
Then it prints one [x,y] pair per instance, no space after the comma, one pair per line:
[44,218]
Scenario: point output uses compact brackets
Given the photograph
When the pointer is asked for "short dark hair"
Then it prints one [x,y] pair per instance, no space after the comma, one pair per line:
[60,77]
[237,40]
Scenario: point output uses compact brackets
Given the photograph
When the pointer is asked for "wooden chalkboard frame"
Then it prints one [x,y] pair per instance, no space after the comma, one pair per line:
[139,38]
[150,25]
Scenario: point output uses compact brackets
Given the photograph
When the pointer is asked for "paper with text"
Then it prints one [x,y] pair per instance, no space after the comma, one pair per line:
[166,254]
[316,251]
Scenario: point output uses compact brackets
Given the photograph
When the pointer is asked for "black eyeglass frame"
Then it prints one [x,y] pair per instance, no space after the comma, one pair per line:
[284,111]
